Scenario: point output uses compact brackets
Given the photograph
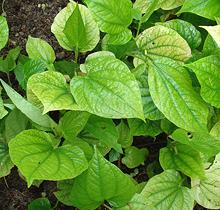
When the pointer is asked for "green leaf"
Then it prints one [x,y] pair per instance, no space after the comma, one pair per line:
[39,49]
[5,160]
[125,138]
[150,110]
[3,111]
[170,4]
[4,32]
[205,8]
[160,41]
[138,202]
[215,131]
[108,89]
[165,191]
[134,156]
[24,71]
[214,31]
[147,128]
[182,158]
[209,45]
[9,63]
[120,38]
[102,181]
[200,141]
[40,203]
[186,30]
[80,22]
[75,30]
[206,192]
[52,90]
[64,190]
[37,156]
[66,67]
[32,112]
[12,128]
[173,94]
[72,123]
[112,16]
[104,130]
[207,71]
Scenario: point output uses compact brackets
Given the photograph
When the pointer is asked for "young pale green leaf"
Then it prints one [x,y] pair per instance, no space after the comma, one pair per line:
[52,90]
[37,156]
[145,6]
[214,31]
[75,30]
[15,123]
[200,141]
[206,192]
[164,191]
[32,112]
[104,130]
[205,8]
[40,203]
[186,30]
[3,111]
[215,131]
[134,156]
[86,33]
[5,160]
[4,32]
[161,41]
[108,89]
[102,181]
[64,189]
[173,94]
[38,49]
[170,4]
[125,138]
[150,110]
[120,38]
[147,128]
[207,71]
[113,16]
[183,158]
[72,123]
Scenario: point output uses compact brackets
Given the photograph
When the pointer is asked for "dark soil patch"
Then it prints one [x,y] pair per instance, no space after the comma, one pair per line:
[33,17]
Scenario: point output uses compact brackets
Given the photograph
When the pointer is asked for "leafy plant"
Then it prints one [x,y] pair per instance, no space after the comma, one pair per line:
[150,75]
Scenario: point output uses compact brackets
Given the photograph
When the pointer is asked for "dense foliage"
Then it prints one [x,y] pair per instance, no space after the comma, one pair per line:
[140,69]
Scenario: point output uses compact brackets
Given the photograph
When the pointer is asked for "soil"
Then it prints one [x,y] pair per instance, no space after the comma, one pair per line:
[34,17]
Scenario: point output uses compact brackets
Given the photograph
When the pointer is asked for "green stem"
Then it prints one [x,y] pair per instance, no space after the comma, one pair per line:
[9,80]
[56,204]
[139,27]
[3,10]
[76,55]
[107,207]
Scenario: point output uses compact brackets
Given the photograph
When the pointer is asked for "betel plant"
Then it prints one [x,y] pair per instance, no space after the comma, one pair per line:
[149,68]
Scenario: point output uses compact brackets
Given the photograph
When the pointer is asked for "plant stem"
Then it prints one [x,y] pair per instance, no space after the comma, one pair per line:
[76,55]
[3,10]
[139,27]
[56,204]
[107,207]
[6,183]
[9,80]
